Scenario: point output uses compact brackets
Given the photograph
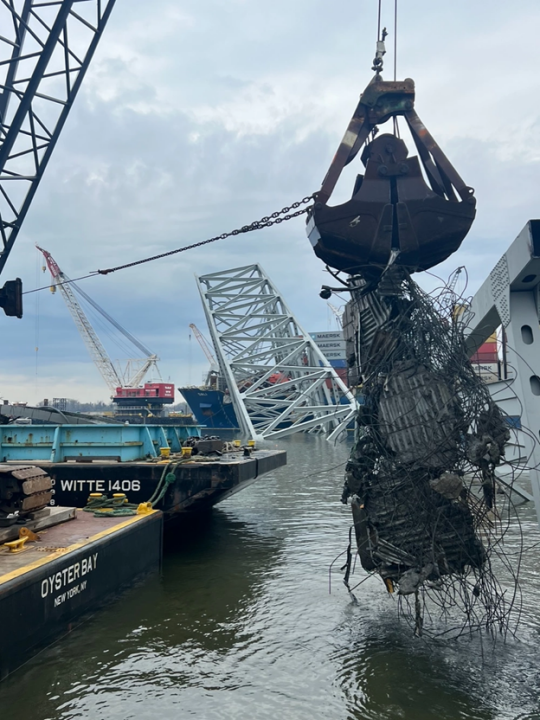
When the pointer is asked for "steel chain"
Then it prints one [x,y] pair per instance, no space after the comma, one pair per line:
[267,221]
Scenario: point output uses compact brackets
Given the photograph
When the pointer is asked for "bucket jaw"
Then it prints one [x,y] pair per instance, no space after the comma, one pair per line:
[414,211]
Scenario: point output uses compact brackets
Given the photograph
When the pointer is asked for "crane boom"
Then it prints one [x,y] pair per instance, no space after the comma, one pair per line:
[113,322]
[91,340]
[46,50]
[136,379]
[338,312]
[205,347]
[455,277]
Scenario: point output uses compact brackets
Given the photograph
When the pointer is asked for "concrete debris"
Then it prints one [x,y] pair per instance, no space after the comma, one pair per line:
[449,485]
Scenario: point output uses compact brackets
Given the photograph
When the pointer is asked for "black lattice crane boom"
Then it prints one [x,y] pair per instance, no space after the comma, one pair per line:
[45,51]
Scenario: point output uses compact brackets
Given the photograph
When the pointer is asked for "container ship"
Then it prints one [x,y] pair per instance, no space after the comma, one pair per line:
[211,404]
[211,407]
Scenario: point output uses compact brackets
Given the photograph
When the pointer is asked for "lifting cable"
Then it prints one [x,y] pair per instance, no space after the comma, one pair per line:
[379,37]
[396,123]
[395,40]
[267,221]
[64,282]
[380,52]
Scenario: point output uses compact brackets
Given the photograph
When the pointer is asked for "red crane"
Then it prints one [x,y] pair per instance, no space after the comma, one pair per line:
[125,385]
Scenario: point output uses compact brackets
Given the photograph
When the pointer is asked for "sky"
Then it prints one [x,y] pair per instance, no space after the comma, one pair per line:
[200,116]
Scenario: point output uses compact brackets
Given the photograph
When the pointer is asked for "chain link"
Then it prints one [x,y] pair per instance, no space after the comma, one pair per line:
[267,221]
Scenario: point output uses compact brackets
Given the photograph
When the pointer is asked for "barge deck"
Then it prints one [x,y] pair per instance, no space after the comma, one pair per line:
[48,587]
[51,584]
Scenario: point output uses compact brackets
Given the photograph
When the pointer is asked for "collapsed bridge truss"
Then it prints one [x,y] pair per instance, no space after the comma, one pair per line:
[278,380]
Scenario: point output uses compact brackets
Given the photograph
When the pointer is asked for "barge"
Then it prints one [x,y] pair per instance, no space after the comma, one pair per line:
[83,459]
[58,563]
[199,483]
[49,586]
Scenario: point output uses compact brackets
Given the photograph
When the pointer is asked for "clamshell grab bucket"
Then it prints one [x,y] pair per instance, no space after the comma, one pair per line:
[393,215]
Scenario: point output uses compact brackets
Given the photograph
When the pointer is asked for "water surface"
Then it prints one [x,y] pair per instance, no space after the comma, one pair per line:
[241,624]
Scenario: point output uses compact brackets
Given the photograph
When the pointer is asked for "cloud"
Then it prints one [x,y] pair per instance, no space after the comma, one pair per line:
[195,119]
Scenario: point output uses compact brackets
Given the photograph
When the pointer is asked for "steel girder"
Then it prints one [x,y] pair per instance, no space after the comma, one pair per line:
[278,379]
[45,50]
[510,297]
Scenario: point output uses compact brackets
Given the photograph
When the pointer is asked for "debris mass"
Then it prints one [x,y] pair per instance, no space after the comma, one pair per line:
[428,434]
[421,476]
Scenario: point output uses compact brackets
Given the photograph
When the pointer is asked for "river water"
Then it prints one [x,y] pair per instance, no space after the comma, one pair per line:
[241,624]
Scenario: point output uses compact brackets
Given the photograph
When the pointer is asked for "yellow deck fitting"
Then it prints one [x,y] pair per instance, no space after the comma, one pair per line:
[25,532]
[119,499]
[186,452]
[144,508]
[389,585]
[16,546]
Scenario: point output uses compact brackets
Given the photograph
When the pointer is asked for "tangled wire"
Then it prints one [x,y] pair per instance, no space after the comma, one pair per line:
[427,506]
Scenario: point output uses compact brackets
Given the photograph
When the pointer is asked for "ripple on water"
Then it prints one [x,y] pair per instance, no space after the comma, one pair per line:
[241,625]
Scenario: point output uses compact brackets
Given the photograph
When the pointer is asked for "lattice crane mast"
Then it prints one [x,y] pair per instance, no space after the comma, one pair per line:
[91,340]
[135,370]
[45,51]
[455,277]
[205,347]
[338,312]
